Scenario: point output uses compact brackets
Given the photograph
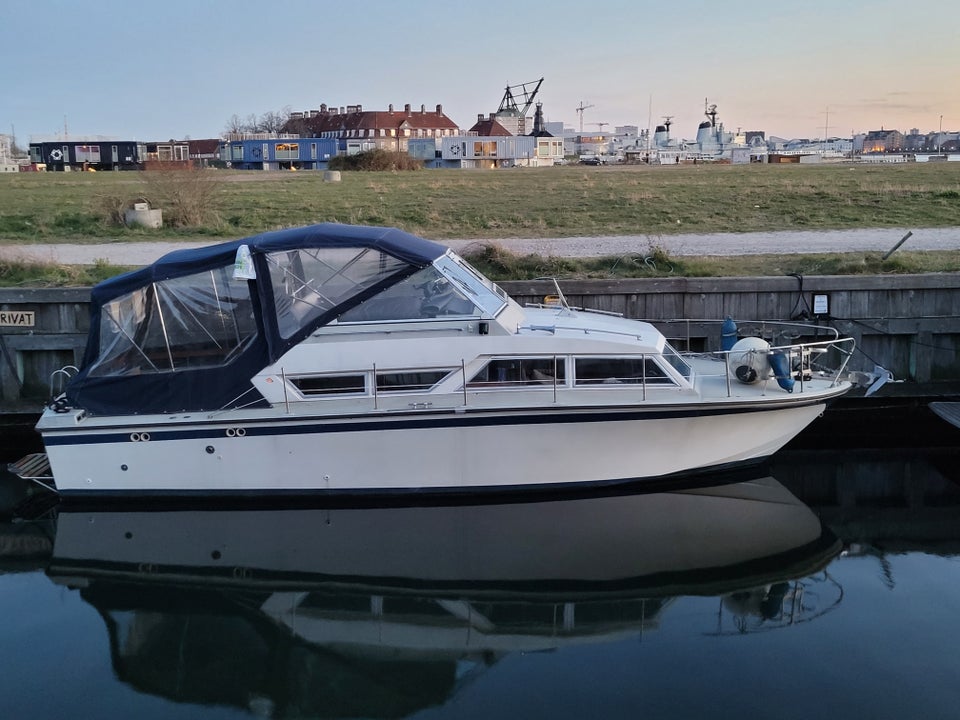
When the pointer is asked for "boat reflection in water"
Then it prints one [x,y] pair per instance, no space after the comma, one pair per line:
[384,611]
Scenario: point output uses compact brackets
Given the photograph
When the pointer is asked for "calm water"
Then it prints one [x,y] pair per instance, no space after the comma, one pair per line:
[830,588]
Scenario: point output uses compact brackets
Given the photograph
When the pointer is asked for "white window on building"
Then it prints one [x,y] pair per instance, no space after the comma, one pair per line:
[88,153]
[287,151]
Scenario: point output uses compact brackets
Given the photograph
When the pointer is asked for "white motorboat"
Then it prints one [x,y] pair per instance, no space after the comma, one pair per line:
[341,359]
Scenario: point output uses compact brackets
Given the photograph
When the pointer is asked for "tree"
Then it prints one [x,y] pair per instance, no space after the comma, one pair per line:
[235,125]
[273,121]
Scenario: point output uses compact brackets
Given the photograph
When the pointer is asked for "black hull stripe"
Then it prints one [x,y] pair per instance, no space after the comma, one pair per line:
[256,428]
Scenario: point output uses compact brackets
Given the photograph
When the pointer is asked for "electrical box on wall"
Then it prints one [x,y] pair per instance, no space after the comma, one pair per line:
[821,304]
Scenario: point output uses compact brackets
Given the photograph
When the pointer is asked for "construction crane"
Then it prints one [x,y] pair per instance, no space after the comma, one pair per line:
[580,108]
[600,125]
[509,102]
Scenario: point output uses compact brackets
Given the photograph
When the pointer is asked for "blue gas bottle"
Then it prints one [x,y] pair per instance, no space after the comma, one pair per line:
[728,334]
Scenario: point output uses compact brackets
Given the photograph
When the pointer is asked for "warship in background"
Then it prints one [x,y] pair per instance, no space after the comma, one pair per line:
[713,144]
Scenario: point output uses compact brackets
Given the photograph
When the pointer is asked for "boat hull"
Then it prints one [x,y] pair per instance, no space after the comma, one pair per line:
[428,452]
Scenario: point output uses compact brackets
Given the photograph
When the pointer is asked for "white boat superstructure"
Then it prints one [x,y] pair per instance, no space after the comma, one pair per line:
[335,359]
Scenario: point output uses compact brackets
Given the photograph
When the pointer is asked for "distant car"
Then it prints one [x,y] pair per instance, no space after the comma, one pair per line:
[591,161]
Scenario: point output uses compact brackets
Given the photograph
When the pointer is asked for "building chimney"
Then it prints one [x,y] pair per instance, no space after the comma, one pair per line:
[390,108]
[479,117]
[439,109]
[406,108]
[323,107]
[423,109]
[538,128]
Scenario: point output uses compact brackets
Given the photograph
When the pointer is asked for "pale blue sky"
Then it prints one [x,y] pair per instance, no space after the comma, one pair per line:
[181,68]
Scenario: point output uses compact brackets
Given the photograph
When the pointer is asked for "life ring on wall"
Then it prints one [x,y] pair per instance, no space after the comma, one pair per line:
[56,155]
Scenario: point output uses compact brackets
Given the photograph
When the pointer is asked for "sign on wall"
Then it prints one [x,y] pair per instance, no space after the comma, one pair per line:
[16,318]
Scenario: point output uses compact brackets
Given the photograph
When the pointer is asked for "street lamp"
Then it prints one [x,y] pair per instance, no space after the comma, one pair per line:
[940,136]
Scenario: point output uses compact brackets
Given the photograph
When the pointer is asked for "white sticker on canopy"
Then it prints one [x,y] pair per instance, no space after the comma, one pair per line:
[243,266]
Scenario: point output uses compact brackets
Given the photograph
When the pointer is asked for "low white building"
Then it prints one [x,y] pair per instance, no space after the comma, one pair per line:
[477,151]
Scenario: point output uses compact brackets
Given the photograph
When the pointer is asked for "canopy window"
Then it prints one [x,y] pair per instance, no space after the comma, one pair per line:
[194,321]
[309,282]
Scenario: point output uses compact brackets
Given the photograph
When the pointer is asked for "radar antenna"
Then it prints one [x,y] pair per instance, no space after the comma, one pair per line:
[710,112]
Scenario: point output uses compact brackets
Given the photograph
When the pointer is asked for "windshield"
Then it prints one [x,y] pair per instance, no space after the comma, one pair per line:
[443,290]
[679,364]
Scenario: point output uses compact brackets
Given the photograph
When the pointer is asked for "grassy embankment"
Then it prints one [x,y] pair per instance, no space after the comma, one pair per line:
[547,202]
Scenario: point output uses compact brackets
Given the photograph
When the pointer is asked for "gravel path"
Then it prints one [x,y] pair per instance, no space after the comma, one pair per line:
[789,242]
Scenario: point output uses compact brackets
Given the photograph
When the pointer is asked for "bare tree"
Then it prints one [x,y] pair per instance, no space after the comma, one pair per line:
[273,121]
[234,125]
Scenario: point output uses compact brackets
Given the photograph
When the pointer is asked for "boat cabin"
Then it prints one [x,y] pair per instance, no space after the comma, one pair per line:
[189,331]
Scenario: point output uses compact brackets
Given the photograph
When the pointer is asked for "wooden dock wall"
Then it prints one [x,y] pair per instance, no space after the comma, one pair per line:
[909,324]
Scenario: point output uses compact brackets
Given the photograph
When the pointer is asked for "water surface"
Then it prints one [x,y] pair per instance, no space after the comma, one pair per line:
[829,587]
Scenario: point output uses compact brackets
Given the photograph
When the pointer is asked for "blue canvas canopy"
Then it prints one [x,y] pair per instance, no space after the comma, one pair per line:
[187,333]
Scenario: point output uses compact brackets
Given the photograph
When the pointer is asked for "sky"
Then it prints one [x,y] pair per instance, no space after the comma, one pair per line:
[181,68]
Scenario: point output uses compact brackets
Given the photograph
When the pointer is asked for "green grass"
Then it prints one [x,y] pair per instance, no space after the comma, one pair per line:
[530,202]
[500,264]
[31,273]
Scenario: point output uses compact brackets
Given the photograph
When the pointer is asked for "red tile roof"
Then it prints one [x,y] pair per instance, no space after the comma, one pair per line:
[490,128]
[342,123]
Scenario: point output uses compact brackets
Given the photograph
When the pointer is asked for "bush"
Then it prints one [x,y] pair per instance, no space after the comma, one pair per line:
[375,160]
[110,207]
[187,195]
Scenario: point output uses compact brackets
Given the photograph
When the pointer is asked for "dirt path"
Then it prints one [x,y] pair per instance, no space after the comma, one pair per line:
[789,242]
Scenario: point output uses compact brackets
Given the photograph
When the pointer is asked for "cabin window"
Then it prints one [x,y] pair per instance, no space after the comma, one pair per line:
[310,282]
[519,372]
[410,381]
[330,385]
[196,321]
[236,152]
[619,370]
